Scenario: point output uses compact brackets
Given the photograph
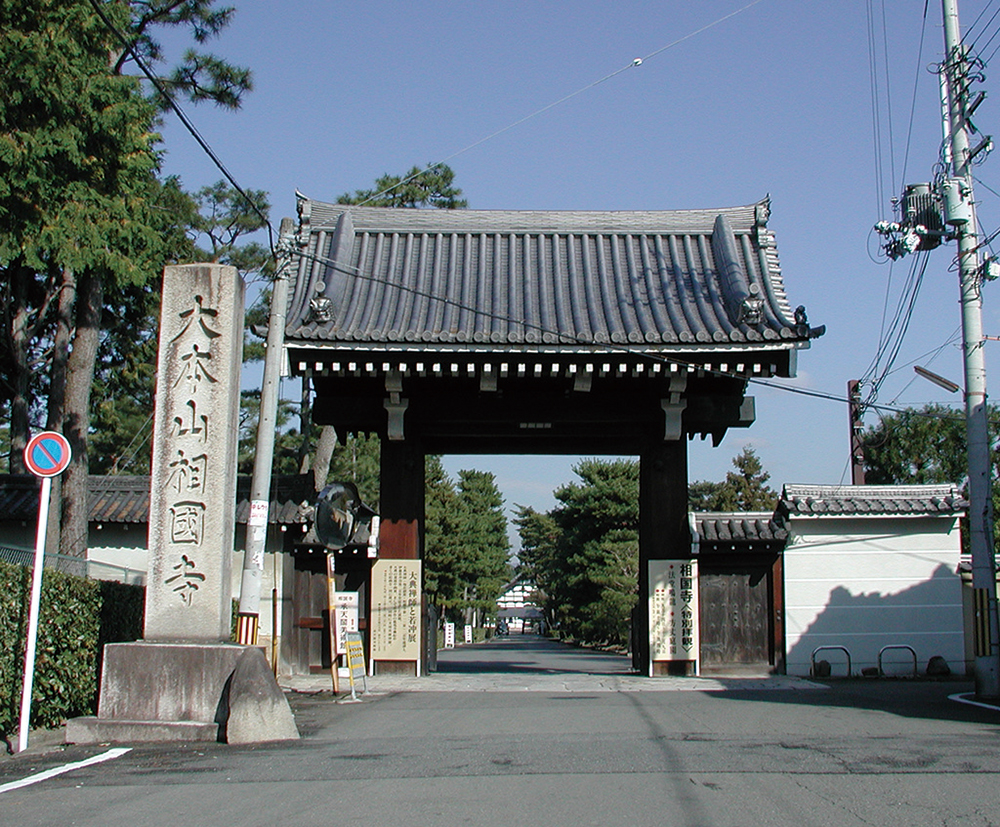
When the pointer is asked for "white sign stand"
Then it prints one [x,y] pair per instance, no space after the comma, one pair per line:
[47,455]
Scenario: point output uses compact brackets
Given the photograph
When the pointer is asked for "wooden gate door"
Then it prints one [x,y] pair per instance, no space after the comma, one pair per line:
[735,616]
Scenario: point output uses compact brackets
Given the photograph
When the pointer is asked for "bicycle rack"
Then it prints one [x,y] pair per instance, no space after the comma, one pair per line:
[825,648]
[909,649]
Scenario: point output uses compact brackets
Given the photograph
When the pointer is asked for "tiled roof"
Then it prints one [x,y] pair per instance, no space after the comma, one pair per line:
[738,527]
[19,497]
[853,500]
[692,280]
[124,499]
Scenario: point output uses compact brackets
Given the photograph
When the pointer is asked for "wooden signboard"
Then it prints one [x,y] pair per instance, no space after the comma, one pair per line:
[395,611]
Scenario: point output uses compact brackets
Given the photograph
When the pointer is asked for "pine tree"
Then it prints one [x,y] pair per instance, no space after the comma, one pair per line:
[432,187]
[599,549]
[481,539]
[442,580]
[78,199]
[744,489]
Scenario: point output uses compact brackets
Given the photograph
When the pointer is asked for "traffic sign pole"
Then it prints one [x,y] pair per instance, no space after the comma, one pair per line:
[47,455]
[36,598]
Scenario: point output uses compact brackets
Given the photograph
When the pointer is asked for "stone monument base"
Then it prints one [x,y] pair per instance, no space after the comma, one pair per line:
[153,691]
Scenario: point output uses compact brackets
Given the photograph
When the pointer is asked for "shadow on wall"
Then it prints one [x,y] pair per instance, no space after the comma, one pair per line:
[927,616]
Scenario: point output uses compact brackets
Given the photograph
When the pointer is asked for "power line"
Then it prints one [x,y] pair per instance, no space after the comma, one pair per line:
[975,42]
[564,338]
[913,101]
[975,22]
[155,81]
[873,82]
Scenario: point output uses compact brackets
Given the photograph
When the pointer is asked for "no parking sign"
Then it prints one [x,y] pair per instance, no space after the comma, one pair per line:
[48,454]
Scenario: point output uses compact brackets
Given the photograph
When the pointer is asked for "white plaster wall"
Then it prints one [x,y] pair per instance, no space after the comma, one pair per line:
[865,583]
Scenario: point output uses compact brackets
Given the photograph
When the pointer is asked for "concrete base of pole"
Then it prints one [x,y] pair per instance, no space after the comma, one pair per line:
[987,680]
[185,691]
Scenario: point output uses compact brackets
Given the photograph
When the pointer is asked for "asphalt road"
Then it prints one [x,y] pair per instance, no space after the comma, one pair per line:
[574,745]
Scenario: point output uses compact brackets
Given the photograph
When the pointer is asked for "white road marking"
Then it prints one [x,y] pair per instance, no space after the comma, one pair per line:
[966,698]
[42,776]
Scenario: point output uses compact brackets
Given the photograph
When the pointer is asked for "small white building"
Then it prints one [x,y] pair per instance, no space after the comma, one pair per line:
[866,567]
[516,604]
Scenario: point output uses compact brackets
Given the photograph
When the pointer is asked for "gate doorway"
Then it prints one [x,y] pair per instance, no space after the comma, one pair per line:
[740,590]
[735,618]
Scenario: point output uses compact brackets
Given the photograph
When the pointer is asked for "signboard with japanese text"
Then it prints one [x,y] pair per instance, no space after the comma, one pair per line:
[395,613]
[345,612]
[192,506]
[673,610]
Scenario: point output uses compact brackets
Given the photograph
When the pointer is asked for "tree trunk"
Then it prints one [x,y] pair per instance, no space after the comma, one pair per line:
[76,422]
[325,446]
[17,324]
[60,351]
[57,393]
[305,428]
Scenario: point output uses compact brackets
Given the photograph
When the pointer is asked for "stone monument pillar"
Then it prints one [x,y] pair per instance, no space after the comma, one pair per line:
[195,433]
[184,680]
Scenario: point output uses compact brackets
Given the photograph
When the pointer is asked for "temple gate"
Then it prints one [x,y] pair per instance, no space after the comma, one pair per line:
[520,332]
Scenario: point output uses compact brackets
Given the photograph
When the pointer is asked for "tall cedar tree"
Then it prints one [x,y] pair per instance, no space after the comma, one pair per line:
[442,580]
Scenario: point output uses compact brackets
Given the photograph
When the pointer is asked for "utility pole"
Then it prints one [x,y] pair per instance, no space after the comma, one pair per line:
[855,414]
[960,215]
[248,618]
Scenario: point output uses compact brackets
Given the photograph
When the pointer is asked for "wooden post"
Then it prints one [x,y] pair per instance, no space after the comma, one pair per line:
[663,526]
[331,587]
[401,507]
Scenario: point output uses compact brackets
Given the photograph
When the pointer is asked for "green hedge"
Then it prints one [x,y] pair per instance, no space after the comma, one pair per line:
[77,617]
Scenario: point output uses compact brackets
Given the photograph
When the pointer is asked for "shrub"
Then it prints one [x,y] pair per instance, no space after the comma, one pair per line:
[77,617]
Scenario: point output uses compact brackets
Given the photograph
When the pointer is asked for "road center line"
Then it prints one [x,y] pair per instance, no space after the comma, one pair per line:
[46,774]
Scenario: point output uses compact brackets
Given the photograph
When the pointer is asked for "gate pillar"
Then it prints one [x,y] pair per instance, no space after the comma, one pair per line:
[401,499]
[394,637]
[663,527]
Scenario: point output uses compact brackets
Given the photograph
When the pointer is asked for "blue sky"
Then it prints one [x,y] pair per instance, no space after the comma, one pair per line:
[775,100]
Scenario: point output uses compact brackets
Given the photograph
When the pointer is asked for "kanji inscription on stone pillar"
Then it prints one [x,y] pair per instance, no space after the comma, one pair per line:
[193,479]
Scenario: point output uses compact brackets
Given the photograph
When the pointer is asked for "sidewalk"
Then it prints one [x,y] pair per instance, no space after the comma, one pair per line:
[558,682]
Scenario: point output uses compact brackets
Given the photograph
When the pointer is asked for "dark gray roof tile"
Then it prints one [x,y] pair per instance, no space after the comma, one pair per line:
[689,278]
[738,528]
[125,499]
[817,500]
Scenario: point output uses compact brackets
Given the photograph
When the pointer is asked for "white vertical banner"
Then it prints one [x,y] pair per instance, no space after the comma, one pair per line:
[346,607]
[673,610]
